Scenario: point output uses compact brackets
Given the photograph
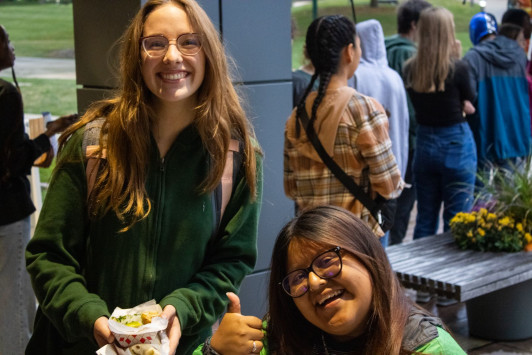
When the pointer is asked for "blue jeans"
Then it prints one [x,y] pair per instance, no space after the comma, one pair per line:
[445,162]
[17,301]
[385,239]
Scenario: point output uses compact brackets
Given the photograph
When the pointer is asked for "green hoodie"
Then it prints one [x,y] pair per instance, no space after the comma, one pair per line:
[81,270]
[398,50]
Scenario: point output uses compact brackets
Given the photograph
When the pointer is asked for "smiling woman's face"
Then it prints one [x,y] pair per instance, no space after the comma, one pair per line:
[339,306]
[172,77]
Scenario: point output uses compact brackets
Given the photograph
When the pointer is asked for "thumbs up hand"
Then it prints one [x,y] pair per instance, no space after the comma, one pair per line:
[237,334]
[234,303]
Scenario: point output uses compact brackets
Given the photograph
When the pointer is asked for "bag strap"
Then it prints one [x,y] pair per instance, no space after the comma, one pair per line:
[91,149]
[222,194]
[338,172]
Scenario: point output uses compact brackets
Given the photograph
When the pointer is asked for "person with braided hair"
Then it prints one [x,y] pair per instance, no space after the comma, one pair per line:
[353,129]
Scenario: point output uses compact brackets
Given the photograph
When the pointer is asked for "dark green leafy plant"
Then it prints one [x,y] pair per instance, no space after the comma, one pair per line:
[508,192]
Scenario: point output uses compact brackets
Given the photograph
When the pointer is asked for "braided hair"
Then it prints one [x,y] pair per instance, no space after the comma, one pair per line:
[326,37]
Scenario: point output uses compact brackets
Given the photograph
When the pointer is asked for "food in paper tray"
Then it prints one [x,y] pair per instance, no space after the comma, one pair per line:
[137,319]
[139,325]
[147,316]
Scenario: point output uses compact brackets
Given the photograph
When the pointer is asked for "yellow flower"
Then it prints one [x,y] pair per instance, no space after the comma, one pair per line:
[492,216]
[469,234]
[519,227]
[504,221]
[456,218]
[481,232]
[528,237]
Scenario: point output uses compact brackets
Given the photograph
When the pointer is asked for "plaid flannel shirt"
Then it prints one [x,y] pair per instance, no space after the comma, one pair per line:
[353,129]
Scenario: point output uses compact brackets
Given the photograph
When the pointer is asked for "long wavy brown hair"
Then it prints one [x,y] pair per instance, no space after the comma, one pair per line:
[325,227]
[120,185]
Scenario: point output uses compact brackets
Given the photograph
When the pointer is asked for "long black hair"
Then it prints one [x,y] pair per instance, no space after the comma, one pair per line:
[326,37]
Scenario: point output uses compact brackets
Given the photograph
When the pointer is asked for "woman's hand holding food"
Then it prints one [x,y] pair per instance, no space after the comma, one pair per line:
[102,333]
[174,327]
[237,334]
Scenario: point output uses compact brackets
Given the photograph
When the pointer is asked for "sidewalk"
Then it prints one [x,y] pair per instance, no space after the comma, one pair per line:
[42,68]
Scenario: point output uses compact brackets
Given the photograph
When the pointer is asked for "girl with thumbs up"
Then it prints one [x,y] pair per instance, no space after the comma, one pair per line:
[332,291]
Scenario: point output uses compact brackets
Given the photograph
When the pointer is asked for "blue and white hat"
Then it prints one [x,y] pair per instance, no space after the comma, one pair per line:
[481,25]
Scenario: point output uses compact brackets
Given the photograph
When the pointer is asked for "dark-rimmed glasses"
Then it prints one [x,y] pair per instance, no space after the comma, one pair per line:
[326,266]
[157,46]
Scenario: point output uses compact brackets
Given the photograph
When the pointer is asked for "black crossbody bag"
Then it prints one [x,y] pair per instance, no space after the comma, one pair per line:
[381,209]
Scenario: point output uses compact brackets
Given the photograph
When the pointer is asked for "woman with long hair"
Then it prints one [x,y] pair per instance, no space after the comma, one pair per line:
[147,228]
[332,291]
[445,160]
[352,128]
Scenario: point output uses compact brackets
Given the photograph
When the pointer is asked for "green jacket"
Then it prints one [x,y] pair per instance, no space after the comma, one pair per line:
[398,50]
[82,270]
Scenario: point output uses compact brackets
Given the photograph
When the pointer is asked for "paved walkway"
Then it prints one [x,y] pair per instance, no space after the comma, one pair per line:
[42,68]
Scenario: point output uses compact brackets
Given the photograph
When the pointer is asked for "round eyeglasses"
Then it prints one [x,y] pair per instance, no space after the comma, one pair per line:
[326,266]
[157,46]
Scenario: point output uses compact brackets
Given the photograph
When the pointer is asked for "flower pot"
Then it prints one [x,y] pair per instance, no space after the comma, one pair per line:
[505,314]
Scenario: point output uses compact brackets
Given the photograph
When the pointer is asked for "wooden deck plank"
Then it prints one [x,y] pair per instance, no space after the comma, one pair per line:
[482,290]
[470,273]
[417,246]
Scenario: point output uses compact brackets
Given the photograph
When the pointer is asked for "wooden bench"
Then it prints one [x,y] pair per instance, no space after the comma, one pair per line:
[436,265]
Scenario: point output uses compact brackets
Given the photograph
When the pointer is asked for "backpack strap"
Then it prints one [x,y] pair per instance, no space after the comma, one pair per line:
[92,152]
[222,194]
[229,174]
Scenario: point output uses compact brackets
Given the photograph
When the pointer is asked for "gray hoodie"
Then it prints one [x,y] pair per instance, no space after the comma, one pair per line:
[375,78]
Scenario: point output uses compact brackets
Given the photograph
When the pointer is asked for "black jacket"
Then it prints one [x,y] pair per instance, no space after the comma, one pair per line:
[17,154]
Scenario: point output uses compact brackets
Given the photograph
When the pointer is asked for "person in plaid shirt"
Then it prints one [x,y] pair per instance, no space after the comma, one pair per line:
[352,128]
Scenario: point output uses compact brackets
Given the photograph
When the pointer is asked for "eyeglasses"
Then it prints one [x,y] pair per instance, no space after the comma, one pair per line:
[157,46]
[326,266]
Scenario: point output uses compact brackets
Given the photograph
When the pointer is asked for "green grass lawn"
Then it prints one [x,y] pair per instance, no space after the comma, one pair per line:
[57,96]
[39,30]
